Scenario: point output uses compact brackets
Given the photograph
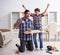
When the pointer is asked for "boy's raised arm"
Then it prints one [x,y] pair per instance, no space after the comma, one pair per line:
[24,7]
[31,14]
[46,9]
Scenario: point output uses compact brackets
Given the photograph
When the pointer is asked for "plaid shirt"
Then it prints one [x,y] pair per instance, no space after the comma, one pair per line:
[27,25]
[37,20]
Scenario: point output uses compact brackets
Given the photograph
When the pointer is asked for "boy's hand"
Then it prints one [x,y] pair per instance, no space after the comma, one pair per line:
[48,5]
[24,7]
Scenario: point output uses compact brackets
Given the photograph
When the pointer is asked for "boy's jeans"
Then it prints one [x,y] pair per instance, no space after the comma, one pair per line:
[40,38]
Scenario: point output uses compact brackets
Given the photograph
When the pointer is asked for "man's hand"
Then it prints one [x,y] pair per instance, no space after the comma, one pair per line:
[17,24]
[21,21]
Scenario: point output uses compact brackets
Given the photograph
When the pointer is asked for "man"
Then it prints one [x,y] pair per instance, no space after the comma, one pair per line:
[24,24]
[37,22]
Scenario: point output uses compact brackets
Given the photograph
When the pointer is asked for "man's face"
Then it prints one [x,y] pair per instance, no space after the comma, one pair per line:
[37,12]
[27,14]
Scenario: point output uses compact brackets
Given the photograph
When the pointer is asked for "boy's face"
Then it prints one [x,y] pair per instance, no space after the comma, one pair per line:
[37,12]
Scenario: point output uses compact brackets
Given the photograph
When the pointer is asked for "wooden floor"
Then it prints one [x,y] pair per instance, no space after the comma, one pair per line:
[10,48]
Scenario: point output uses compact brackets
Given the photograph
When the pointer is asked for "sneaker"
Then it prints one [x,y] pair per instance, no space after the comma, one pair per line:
[36,49]
[17,46]
[41,48]
[0,46]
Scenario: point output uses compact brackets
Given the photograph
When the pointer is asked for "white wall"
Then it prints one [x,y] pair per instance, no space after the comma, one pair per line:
[7,6]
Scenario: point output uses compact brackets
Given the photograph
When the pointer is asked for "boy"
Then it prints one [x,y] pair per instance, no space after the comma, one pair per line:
[37,22]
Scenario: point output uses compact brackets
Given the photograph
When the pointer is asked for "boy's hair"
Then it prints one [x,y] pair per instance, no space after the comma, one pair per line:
[26,11]
[37,9]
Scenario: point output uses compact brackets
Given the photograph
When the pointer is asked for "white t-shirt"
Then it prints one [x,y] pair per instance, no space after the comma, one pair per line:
[31,18]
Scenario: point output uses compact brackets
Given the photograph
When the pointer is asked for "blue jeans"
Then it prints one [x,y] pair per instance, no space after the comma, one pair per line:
[40,38]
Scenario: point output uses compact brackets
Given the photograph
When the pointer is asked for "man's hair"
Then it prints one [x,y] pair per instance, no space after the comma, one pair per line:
[37,9]
[26,11]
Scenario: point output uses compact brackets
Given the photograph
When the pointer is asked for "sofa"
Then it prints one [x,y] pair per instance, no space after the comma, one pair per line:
[5,36]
